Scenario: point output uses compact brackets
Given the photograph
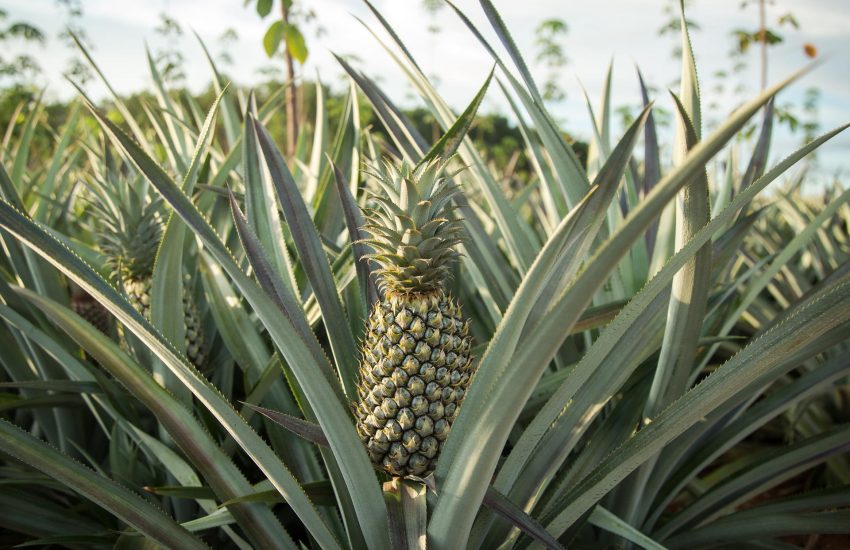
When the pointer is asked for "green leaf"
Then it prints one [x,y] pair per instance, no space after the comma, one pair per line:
[405,136]
[295,44]
[486,259]
[508,42]
[302,428]
[228,109]
[406,505]
[70,541]
[554,194]
[30,512]
[596,376]
[735,529]
[344,153]
[353,222]
[22,155]
[67,386]
[260,205]
[8,191]
[652,162]
[320,148]
[60,351]
[604,519]
[392,34]
[451,140]
[101,490]
[50,184]
[781,259]
[273,36]
[688,91]
[261,370]
[53,403]
[758,161]
[314,261]
[264,7]
[240,336]
[614,428]
[321,492]
[499,504]
[174,136]
[268,278]
[600,146]
[177,491]
[690,104]
[686,309]
[219,518]
[607,178]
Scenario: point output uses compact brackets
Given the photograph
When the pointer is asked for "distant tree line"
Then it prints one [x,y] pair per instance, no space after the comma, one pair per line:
[495,136]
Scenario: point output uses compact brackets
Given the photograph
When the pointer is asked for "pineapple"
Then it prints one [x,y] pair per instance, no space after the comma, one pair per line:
[416,365]
[130,226]
[91,310]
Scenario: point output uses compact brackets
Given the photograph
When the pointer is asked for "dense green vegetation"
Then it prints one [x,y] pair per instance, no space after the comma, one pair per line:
[496,138]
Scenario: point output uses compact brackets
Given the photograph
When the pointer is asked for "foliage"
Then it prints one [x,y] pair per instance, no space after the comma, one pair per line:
[285,31]
[551,53]
[72,32]
[20,68]
[169,59]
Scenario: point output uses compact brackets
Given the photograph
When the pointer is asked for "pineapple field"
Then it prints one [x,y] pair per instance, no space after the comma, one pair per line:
[240,321]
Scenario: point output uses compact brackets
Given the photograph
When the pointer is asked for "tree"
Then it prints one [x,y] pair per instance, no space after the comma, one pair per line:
[673,24]
[551,54]
[22,67]
[169,58]
[224,42]
[284,35]
[73,31]
[433,7]
[766,36]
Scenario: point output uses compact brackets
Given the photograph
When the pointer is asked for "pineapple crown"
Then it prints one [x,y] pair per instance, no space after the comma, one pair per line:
[411,227]
[129,224]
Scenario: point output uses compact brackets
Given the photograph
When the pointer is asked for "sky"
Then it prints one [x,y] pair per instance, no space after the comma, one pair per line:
[601,31]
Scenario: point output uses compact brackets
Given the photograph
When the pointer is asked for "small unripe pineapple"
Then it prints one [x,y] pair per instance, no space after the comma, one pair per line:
[130,226]
[139,294]
[416,364]
[91,310]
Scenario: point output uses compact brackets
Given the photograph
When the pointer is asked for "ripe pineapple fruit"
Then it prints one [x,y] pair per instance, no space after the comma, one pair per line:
[416,363]
[129,229]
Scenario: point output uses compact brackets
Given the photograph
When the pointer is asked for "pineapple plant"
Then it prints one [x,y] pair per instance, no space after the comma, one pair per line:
[129,228]
[416,363]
